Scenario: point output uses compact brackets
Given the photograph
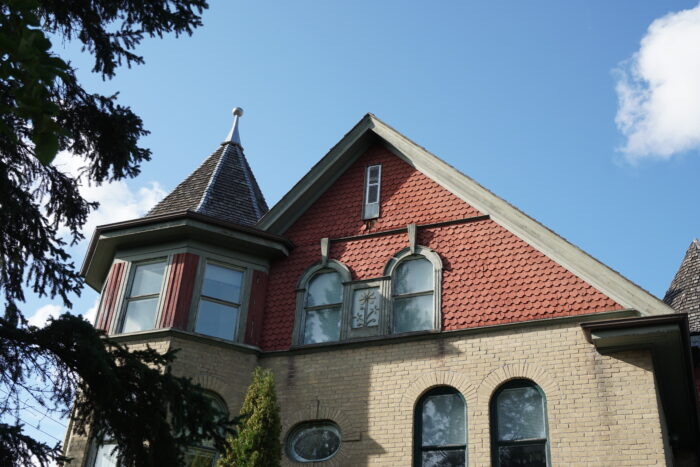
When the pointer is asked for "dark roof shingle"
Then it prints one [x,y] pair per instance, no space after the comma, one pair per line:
[684,292]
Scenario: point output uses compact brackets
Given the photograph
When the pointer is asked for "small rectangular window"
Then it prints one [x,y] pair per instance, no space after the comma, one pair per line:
[220,302]
[373,180]
[142,300]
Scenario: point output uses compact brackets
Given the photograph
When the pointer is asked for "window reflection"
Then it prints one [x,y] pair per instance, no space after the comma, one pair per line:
[413,283]
[322,308]
[441,434]
[520,432]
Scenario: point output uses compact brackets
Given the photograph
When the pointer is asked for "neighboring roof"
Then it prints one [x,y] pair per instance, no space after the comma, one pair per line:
[371,130]
[223,187]
[684,292]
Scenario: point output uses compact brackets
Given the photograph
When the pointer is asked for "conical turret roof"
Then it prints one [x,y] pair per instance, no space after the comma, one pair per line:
[222,187]
[684,293]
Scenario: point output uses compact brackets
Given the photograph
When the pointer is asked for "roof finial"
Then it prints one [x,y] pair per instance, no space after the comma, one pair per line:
[233,136]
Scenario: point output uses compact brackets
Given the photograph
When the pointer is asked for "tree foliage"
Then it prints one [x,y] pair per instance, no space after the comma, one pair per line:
[257,443]
[129,397]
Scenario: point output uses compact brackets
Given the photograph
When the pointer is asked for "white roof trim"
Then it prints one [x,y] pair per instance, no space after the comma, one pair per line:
[592,271]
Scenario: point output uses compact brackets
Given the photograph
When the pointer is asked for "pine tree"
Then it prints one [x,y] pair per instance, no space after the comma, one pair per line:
[257,443]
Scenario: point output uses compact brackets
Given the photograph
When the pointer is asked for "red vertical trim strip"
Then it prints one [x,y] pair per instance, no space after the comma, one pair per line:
[256,307]
[109,297]
[179,290]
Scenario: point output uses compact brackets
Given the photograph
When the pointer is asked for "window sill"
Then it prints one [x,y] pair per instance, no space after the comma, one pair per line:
[364,340]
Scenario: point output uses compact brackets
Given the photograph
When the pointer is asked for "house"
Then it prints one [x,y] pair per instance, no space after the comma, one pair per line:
[410,316]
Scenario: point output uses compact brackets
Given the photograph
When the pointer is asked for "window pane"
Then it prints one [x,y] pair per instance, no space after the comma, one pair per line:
[520,414]
[372,194]
[365,307]
[371,211]
[200,458]
[413,314]
[216,319]
[444,421]
[522,456]
[456,458]
[325,289]
[315,442]
[322,325]
[148,279]
[373,176]
[140,315]
[104,457]
[412,276]
[222,283]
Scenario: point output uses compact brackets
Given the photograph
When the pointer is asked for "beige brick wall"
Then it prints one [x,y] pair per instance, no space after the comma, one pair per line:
[602,410]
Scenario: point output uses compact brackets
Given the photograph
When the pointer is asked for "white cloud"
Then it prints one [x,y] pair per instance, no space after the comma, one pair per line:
[42,315]
[118,202]
[91,314]
[658,89]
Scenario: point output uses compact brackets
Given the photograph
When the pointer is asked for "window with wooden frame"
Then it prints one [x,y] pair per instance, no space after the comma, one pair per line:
[219,305]
[373,183]
[416,278]
[143,296]
[519,425]
[440,429]
[320,293]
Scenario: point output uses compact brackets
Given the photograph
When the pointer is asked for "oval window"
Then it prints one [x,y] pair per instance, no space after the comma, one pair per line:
[315,441]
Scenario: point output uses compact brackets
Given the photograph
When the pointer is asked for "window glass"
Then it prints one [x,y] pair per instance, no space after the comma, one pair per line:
[324,289]
[205,455]
[413,276]
[222,283]
[217,319]
[314,442]
[520,432]
[520,414]
[148,279]
[444,420]
[106,455]
[372,184]
[140,315]
[413,314]
[441,434]
[322,325]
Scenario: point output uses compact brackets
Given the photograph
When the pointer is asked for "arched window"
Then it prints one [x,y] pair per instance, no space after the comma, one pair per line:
[519,425]
[440,429]
[321,294]
[206,455]
[415,290]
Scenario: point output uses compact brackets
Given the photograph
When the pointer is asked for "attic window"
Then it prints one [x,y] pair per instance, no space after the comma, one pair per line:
[373,179]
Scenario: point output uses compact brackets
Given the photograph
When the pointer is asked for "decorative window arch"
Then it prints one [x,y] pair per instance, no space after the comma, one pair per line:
[519,425]
[320,302]
[416,284]
[440,429]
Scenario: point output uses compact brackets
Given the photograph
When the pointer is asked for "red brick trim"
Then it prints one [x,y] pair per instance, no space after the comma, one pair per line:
[110,294]
[179,290]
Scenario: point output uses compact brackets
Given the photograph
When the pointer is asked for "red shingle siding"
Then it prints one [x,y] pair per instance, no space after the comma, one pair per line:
[109,297]
[256,307]
[178,291]
[490,276]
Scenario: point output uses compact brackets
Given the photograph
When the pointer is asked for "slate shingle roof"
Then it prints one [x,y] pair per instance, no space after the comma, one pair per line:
[223,187]
[684,292]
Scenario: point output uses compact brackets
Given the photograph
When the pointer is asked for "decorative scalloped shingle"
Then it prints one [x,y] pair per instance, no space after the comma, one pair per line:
[490,275]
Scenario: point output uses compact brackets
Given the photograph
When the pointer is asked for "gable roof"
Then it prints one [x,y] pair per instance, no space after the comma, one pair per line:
[684,292]
[370,130]
[223,187]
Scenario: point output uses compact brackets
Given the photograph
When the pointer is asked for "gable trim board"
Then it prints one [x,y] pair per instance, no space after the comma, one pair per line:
[370,129]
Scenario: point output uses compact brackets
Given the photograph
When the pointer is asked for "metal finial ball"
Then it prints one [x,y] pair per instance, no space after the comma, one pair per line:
[238,111]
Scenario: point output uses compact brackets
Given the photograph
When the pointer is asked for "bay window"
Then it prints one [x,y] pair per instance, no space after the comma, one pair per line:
[141,303]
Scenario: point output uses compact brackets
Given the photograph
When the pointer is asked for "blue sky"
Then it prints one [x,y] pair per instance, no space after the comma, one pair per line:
[574,111]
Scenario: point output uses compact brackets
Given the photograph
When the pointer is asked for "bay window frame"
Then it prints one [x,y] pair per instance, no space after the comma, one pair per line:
[124,297]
